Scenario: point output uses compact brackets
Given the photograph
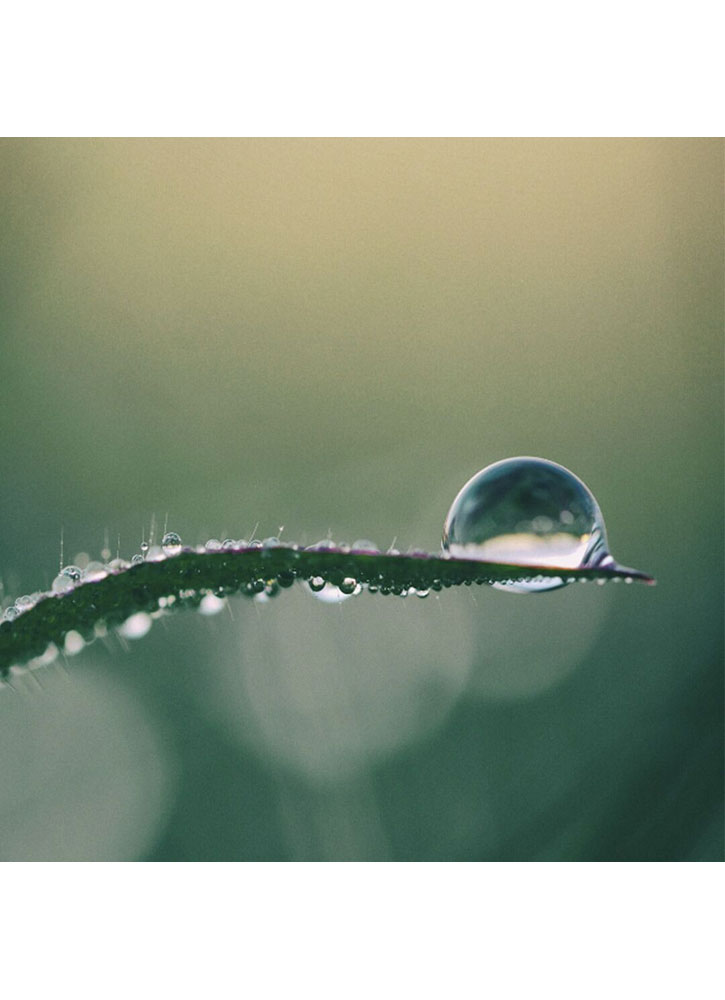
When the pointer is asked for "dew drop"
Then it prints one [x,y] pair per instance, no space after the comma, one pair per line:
[326,545]
[144,547]
[211,605]
[155,553]
[10,614]
[527,512]
[328,593]
[26,602]
[72,572]
[94,571]
[62,584]
[228,544]
[136,626]
[349,586]
[365,545]
[213,545]
[46,658]
[73,643]
[171,543]
[137,559]
[316,584]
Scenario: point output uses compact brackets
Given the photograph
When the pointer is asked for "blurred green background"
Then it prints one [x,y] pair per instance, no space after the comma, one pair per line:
[332,336]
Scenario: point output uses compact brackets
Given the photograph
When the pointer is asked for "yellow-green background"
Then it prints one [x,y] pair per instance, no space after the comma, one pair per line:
[332,336]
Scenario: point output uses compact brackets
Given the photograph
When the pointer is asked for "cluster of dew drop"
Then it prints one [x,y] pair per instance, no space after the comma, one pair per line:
[208,603]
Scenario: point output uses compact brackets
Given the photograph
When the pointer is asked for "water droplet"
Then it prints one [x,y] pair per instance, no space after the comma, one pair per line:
[10,614]
[271,543]
[328,593]
[422,593]
[62,584]
[118,565]
[527,512]
[211,605]
[155,554]
[213,545]
[135,560]
[94,571]
[364,545]
[136,626]
[26,602]
[316,584]
[46,658]
[171,543]
[73,643]
[72,572]
[229,543]
[144,547]
[326,545]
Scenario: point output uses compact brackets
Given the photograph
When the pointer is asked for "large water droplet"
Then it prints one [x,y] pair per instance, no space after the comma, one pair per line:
[171,543]
[528,512]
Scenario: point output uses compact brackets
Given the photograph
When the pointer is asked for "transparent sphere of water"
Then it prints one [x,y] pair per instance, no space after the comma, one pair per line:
[528,512]
[171,543]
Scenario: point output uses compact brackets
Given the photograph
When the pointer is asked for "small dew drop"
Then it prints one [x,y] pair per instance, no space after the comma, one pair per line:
[328,593]
[46,658]
[349,586]
[62,584]
[171,543]
[155,554]
[144,547]
[94,571]
[229,543]
[316,584]
[136,626]
[137,559]
[213,545]
[73,643]
[26,602]
[72,572]
[365,545]
[325,545]
[211,605]
[10,614]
